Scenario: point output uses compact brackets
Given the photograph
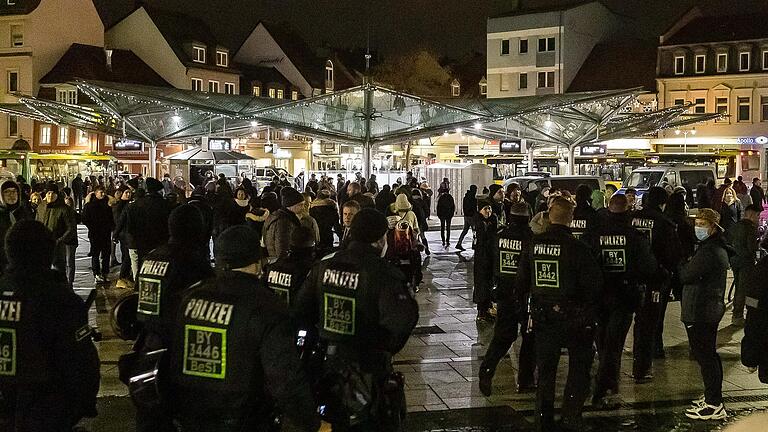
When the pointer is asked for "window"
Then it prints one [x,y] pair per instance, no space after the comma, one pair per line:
[67,96]
[743,115]
[82,138]
[45,135]
[679,65]
[765,59]
[17,35]
[213,86]
[523,81]
[546,44]
[721,107]
[504,82]
[229,88]
[523,46]
[679,102]
[744,61]
[546,79]
[505,47]
[701,62]
[294,95]
[63,135]
[13,81]
[222,58]
[483,89]
[272,93]
[198,54]
[764,108]
[280,94]
[197,84]
[13,126]
[256,90]
[455,89]
[328,76]
[722,62]
[700,106]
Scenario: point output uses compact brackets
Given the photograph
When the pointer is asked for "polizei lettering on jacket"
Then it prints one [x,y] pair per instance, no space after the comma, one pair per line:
[613,240]
[579,224]
[279,278]
[341,279]
[10,310]
[642,223]
[154,268]
[204,310]
[510,244]
[547,249]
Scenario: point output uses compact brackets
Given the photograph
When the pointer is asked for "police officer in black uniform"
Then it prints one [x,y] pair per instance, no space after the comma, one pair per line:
[233,356]
[565,284]
[512,240]
[165,274]
[286,275]
[49,368]
[665,244]
[585,218]
[626,260]
[365,314]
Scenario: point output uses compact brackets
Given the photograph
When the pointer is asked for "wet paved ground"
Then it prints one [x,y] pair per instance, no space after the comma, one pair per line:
[442,358]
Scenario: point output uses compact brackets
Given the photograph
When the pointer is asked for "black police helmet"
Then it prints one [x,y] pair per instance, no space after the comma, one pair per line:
[122,317]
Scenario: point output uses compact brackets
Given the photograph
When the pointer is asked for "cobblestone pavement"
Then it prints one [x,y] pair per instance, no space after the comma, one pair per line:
[441,362]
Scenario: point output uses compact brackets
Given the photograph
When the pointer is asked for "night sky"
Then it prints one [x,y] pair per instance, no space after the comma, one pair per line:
[448,27]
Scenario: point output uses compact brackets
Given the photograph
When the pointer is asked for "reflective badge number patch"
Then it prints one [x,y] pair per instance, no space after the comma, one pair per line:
[547,274]
[283,293]
[614,260]
[149,296]
[7,352]
[339,314]
[508,262]
[205,351]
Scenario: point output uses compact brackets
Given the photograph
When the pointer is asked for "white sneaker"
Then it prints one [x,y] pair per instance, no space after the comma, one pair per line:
[696,404]
[708,412]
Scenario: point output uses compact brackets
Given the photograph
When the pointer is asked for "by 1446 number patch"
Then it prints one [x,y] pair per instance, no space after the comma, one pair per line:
[205,351]
[7,352]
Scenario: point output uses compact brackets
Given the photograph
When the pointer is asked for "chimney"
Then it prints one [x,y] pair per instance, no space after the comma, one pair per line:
[108,55]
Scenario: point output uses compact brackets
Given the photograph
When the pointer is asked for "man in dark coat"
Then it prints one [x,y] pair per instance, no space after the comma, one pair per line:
[354,191]
[384,198]
[77,191]
[756,193]
[326,213]
[11,211]
[60,219]
[97,216]
[469,207]
[484,246]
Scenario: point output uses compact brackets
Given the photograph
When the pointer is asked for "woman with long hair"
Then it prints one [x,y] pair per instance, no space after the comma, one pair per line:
[730,210]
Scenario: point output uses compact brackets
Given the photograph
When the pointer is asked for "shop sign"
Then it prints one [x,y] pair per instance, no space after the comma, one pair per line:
[511,146]
[128,145]
[762,140]
[462,149]
[219,144]
[593,150]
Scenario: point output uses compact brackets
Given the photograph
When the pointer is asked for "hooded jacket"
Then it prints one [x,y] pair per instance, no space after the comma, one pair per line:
[277,232]
[9,215]
[97,216]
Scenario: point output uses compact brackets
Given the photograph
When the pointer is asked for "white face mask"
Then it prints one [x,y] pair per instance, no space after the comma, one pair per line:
[702,233]
[242,202]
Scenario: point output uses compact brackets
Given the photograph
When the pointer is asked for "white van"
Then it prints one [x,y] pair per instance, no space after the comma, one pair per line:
[567,182]
[688,177]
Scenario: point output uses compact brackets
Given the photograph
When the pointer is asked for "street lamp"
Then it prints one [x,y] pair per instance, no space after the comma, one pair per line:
[685,137]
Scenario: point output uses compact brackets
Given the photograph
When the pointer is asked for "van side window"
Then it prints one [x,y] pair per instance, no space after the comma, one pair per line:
[672,178]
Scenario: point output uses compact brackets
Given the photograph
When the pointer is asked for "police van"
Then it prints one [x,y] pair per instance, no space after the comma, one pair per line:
[536,181]
[674,175]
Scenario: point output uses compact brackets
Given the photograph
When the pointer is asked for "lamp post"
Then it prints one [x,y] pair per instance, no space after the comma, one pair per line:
[685,137]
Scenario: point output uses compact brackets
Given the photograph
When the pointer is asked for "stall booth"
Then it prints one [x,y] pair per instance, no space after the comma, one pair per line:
[460,176]
[215,156]
[58,167]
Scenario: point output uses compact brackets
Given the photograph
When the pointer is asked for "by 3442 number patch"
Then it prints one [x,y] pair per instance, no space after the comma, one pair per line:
[547,273]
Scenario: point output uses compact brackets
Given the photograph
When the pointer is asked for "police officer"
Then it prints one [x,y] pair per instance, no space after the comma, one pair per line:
[233,350]
[665,245]
[626,260]
[164,275]
[365,314]
[288,273]
[585,217]
[513,239]
[565,284]
[49,368]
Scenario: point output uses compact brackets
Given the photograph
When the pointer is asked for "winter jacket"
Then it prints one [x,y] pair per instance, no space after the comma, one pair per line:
[754,346]
[743,238]
[469,204]
[145,222]
[326,214]
[363,200]
[97,216]
[226,213]
[446,207]
[277,232]
[703,279]
[729,215]
[306,220]
[484,245]
[9,215]
[60,219]
[758,196]
[383,200]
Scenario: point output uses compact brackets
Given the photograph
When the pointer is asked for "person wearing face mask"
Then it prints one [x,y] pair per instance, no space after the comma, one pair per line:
[702,308]
[365,314]
[730,211]
[11,211]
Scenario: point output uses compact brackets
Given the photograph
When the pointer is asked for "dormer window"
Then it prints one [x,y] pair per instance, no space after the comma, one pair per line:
[222,58]
[455,88]
[329,76]
[744,61]
[483,87]
[198,54]
[679,65]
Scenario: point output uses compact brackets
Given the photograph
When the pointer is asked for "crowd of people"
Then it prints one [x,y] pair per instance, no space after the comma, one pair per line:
[572,271]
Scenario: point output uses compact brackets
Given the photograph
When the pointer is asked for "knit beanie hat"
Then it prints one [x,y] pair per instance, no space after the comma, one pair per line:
[237,247]
[153,185]
[402,203]
[368,226]
[29,244]
[185,224]
[492,189]
[290,197]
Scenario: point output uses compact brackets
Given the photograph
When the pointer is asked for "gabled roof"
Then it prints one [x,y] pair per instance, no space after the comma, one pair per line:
[265,74]
[469,73]
[618,65]
[299,53]
[721,28]
[90,63]
[545,7]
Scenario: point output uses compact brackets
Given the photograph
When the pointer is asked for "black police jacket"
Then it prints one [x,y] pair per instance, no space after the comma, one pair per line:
[233,351]
[165,274]
[625,257]
[585,220]
[47,357]
[557,268]
[357,300]
[511,242]
[286,275]
[754,346]
[662,233]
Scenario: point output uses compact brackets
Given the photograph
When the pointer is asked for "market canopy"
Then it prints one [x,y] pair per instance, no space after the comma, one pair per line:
[217,156]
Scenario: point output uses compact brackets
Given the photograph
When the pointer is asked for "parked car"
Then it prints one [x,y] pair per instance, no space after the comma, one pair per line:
[264,175]
[567,182]
[688,177]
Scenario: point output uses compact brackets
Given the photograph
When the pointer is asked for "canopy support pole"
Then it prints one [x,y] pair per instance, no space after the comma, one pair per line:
[368,115]
[153,159]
